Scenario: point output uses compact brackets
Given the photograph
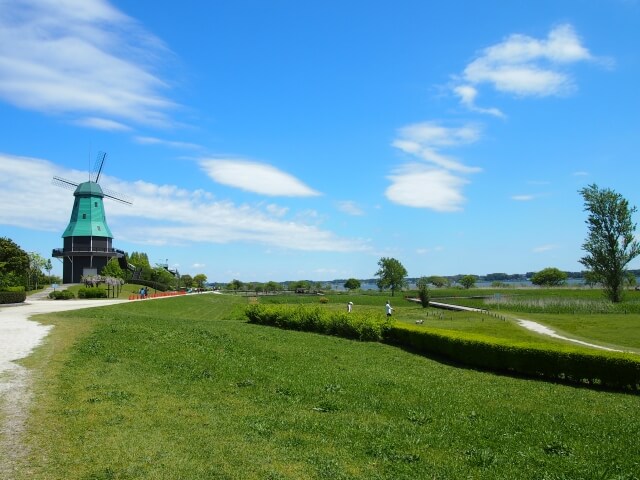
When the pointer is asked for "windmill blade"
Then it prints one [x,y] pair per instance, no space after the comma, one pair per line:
[116,196]
[64,183]
[97,167]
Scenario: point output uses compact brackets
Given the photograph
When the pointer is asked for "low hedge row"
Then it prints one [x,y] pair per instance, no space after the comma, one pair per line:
[566,363]
[61,295]
[571,364]
[353,325]
[92,292]
[13,297]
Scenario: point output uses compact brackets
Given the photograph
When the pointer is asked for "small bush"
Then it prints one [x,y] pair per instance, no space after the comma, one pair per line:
[61,295]
[92,292]
[324,300]
[13,296]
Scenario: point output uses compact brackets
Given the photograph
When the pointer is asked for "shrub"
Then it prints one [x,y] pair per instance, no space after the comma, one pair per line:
[92,292]
[61,295]
[353,325]
[324,300]
[610,369]
[13,297]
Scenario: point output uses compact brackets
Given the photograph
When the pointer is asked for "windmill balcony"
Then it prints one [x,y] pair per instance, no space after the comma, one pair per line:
[83,250]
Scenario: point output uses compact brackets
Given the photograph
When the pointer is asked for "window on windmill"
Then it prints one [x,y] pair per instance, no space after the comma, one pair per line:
[95,204]
[99,229]
[84,216]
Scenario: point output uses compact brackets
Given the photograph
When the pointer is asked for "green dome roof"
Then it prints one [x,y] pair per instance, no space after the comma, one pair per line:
[87,217]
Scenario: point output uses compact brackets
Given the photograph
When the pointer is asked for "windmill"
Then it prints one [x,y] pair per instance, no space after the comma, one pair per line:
[87,238]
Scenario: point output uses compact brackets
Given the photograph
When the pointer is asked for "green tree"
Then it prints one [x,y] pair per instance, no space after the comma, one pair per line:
[423,291]
[235,285]
[391,275]
[187,280]
[272,286]
[549,277]
[14,264]
[352,284]
[610,243]
[36,265]
[200,279]
[112,269]
[468,281]
[438,281]
[48,267]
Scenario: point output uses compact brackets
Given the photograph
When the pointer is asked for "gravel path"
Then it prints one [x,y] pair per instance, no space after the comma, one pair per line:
[541,329]
[18,337]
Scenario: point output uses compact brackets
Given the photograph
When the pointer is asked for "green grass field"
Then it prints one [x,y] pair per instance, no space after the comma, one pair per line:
[184,388]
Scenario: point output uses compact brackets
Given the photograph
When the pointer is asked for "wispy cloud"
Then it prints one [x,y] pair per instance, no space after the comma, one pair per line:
[350,208]
[185,217]
[437,182]
[255,177]
[524,66]
[544,248]
[581,174]
[83,58]
[167,143]
[523,198]
[102,124]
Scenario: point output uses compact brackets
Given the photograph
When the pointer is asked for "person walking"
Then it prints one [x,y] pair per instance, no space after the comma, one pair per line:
[389,308]
[349,307]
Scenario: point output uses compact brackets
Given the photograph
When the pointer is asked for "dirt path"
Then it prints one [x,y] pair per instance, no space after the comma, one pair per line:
[18,337]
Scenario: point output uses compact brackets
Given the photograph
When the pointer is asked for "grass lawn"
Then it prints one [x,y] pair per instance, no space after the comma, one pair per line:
[184,388]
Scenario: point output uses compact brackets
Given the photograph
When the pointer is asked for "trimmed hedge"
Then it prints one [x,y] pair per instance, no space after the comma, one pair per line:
[609,369]
[13,297]
[353,325]
[92,292]
[565,363]
[61,295]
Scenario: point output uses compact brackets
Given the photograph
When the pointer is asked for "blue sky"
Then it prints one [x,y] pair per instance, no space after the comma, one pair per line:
[283,140]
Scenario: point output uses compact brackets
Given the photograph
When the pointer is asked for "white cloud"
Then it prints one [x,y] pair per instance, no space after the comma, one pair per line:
[437,182]
[468,95]
[424,140]
[80,57]
[103,124]
[524,66]
[198,265]
[523,198]
[417,185]
[350,208]
[161,214]
[168,143]
[276,210]
[255,177]
[581,174]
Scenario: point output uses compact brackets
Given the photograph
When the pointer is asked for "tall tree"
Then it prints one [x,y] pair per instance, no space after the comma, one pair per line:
[112,269]
[36,265]
[423,291]
[391,275]
[610,243]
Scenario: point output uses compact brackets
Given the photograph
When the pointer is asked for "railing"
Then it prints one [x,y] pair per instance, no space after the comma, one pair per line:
[59,252]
